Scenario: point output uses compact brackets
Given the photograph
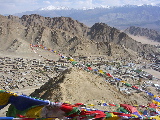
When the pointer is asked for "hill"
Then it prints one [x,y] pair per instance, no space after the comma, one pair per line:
[75,85]
[148,33]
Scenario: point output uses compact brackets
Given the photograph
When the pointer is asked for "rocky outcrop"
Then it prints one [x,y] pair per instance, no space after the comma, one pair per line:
[62,23]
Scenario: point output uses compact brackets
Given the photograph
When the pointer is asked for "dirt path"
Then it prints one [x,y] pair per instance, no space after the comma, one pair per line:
[144,40]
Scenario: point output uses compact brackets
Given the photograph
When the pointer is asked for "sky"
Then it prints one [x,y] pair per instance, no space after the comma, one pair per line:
[18,6]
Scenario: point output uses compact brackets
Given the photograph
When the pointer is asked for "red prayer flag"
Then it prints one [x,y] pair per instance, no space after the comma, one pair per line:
[89,68]
[112,105]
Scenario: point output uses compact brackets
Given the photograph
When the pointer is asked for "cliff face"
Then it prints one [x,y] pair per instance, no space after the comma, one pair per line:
[67,36]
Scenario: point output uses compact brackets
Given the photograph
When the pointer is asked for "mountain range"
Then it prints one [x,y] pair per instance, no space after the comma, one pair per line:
[69,36]
[122,17]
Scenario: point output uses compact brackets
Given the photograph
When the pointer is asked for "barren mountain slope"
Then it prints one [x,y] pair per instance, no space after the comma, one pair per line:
[143,39]
[144,32]
[76,85]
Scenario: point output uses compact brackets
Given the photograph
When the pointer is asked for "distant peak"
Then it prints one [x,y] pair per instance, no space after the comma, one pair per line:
[144,5]
[51,7]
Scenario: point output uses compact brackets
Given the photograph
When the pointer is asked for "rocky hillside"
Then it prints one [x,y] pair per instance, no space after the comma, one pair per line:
[149,33]
[67,36]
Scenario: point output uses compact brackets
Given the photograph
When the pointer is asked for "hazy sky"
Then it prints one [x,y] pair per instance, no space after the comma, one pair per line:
[18,6]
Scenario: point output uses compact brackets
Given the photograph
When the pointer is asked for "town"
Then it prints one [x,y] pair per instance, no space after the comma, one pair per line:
[17,73]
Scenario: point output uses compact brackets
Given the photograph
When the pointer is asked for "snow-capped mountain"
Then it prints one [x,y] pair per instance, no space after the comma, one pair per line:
[51,7]
[120,17]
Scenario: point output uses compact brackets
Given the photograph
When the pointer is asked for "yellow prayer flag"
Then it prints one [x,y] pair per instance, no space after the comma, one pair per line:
[90,104]
[101,71]
[123,81]
[133,115]
[67,102]
[34,112]
[156,117]
[156,102]
[114,117]
[135,105]
[4,97]
[71,59]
